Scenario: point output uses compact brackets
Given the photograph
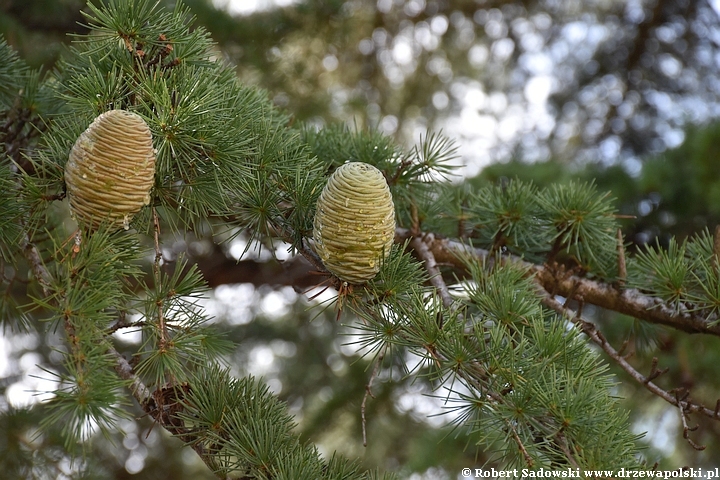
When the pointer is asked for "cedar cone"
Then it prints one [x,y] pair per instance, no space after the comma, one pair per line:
[354,225]
[111,170]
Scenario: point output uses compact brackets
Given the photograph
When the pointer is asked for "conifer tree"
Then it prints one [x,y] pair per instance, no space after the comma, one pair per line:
[485,286]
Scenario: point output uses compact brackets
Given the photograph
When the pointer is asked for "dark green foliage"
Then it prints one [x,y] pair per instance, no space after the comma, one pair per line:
[489,289]
[683,275]
[584,224]
[509,215]
[249,432]
[665,273]
[11,213]
[223,152]
[577,408]
[12,73]
[412,176]
[397,279]
[498,357]
[572,223]
[89,396]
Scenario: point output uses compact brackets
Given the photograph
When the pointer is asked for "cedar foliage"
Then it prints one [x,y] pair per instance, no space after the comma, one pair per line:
[519,378]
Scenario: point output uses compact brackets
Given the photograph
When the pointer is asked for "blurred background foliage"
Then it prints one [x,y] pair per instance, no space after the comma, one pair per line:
[624,93]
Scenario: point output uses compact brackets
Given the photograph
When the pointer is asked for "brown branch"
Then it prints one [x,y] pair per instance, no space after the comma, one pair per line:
[563,444]
[420,245]
[630,302]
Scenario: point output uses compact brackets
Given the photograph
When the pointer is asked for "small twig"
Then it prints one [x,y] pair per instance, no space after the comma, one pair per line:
[623,347]
[53,197]
[368,393]
[164,52]
[39,270]
[139,391]
[570,296]
[123,322]
[174,63]
[156,228]
[423,251]
[313,258]
[622,264]
[158,282]
[528,459]
[316,262]
[597,337]
[406,162]
[654,372]
[415,217]
[687,429]
[563,444]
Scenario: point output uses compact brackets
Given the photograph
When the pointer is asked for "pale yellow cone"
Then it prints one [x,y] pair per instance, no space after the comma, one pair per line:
[354,223]
[111,170]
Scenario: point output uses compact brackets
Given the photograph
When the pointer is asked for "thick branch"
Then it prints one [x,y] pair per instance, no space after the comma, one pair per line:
[628,301]
[218,269]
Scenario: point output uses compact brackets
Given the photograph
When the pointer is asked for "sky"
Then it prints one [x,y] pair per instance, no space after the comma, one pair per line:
[246,7]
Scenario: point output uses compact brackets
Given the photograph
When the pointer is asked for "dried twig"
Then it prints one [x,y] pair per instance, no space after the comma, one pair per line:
[654,372]
[687,429]
[368,393]
[528,459]
[139,391]
[685,406]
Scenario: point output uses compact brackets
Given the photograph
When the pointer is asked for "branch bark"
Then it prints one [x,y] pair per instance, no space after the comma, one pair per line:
[36,264]
[420,245]
[626,301]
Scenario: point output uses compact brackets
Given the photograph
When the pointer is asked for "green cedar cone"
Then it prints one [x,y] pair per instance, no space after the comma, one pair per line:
[354,224]
[111,170]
